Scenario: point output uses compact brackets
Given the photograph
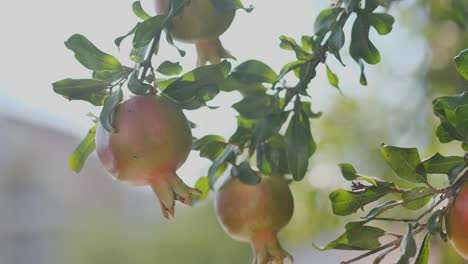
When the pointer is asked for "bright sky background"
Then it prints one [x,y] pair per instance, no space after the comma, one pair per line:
[32,56]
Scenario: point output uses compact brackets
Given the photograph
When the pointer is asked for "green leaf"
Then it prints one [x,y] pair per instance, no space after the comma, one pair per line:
[170,40]
[362,78]
[453,114]
[461,62]
[408,247]
[357,237]
[382,208]
[299,145]
[82,152]
[361,47]
[332,78]
[403,162]
[289,43]
[147,30]
[424,250]
[210,146]
[326,20]
[93,91]
[169,68]
[254,71]
[291,66]
[139,12]
[108,111]
[204,187]
[433,224]
[382,22]
[119,40]
[347,202]
[90,56]
[232,84]
[246,174]
[350,174]
[336,42]
[417,197]
[195,88]
[307,110]
[112,76]
[230,5]
[440,164]
[137,87]
[268,126]
[255,106]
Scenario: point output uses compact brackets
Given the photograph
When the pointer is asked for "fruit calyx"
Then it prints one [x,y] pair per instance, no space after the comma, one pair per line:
[211,51]
[267,249]
[170,188]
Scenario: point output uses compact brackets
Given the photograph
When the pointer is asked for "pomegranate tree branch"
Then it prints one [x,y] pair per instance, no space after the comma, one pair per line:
[395,243]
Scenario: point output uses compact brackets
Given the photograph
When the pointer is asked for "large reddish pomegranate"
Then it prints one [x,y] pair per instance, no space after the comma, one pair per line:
[201,23]
[457,222]
[152,141]
[256,213]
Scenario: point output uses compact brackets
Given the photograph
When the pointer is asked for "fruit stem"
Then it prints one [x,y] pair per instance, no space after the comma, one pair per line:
[267,248]
[211,51]
[169,188]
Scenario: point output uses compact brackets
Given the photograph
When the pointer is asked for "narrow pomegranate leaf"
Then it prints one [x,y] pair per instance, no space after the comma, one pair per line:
[139,11]
[299,145]
[93,91]
[119,40]
[416,198]
[210,146]
[84,149]
[137,87]
[245,173]
[348,202]
[90,56]
[461,61]
[382,208]
[202,185]
[289,43]
[424,250]
[403,162]
[361,47]
[332,78]
[336,42]
[453,114]
[255,106]
[169,68]
[356,237]
[255,71]
[107,113]
[326,20]
[439,164]
[407,247]
[147,30]
[381,22]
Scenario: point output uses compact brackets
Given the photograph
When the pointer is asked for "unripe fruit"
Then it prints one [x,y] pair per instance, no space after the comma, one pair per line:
[255,213]
[152,141]
[457,222]
[201,23]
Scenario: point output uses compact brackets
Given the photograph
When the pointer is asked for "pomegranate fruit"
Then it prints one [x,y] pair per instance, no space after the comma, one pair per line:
[153,139]
[256,213]
[201,23]
[457,222]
